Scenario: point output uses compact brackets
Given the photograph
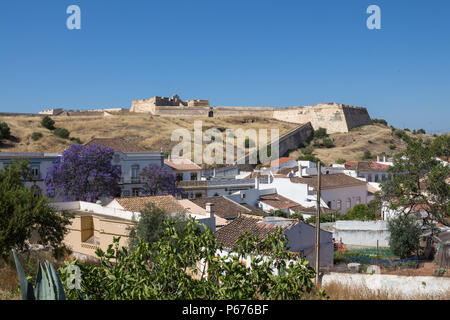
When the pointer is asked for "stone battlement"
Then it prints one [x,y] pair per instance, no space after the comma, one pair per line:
[332,116]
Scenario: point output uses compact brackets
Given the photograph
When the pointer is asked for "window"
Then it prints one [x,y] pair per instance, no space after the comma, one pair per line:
[369,178]
[198,195]
[179,177]
[35,172]
[329,204]
[349,203]
[135,192]
[376,178]
[194,176]
[339,205]
[135,173]
[358,200]
[126,193]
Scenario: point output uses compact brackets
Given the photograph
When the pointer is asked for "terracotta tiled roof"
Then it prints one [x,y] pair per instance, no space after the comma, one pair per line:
[167,203]
[223,207]
[252,208]
[311,210]
[192,207]
[366,166]
[257,227]
[330,181]
[118,144]
[286,171]
[182,164]
[277,162]
[278,201]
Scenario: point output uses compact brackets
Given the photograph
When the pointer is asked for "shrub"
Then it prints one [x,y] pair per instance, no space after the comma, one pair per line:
[324,218]
[369,141]
[380,121]
[308,157]
[392,147]
[405,234]
[62,133]
[48,123]
[308,150]
[76,140]
[361,212]
[341,161]
[340,258]
[367,155]
[327,142]
[36,136]
[298,216]
[320,133]
[5,131]
[421,131]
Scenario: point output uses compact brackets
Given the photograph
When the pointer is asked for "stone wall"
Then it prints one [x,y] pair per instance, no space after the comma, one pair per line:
[331,116]
[407,287]
[290,141]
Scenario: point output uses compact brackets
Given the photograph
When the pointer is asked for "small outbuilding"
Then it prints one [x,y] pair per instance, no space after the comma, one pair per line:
[442,257]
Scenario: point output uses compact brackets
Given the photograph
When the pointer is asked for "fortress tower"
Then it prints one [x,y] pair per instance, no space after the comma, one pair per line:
[332,116]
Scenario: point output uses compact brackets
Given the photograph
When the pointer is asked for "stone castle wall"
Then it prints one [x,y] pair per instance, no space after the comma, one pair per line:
[331,116]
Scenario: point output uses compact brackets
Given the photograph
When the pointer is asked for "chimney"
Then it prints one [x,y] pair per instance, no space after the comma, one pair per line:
[300,170]
[257,182]
[210,210]
[384,158]
[378,158]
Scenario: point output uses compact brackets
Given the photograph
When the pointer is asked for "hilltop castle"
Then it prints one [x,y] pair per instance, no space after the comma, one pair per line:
[332,116]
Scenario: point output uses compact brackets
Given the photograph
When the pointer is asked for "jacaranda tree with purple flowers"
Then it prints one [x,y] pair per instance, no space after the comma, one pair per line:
[84,173]
[159,180]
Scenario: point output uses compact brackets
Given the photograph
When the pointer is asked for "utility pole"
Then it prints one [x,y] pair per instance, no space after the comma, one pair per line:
[318,224]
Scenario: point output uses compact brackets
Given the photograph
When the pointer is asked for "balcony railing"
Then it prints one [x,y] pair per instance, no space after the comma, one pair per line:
[135,180]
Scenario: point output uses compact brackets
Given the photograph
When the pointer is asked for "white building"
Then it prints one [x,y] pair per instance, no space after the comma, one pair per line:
[131,159]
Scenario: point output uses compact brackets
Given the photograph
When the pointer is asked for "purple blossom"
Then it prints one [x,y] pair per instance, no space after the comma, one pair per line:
[159,180]
[84,174]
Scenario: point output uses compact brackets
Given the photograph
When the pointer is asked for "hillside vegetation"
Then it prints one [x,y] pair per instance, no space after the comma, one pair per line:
[154,133]
[351,146]
[151,132]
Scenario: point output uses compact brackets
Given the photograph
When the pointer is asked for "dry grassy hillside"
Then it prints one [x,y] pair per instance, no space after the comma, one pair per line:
[350,146]
[154,133]
[151,132]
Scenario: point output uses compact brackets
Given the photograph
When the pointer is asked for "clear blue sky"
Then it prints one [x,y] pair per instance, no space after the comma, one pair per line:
[256,53]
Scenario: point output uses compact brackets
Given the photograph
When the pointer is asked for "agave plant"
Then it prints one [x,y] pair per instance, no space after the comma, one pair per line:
[48,285]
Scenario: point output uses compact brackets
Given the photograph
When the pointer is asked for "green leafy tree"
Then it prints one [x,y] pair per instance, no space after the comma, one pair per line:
[320,133]
[404,235]
[22,212]
[62,133]
[361,212]
[5,131]
[308,157]
[441,145]
[170,269]
[48,123]
[36,136]
[151,225]
[367,155]
[419,180]
[341,161]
